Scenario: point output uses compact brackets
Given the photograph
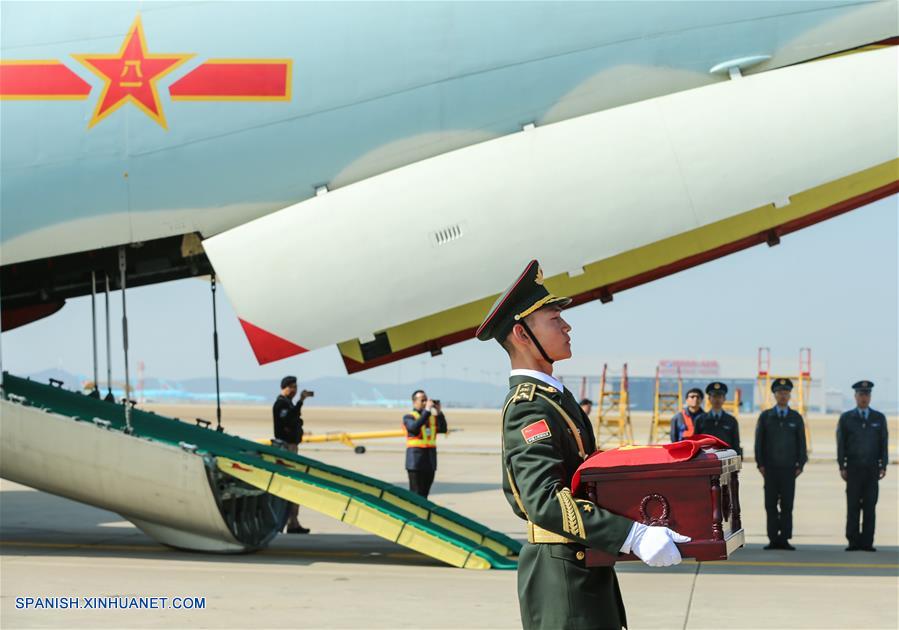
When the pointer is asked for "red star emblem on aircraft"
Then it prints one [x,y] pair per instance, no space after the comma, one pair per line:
[131,75]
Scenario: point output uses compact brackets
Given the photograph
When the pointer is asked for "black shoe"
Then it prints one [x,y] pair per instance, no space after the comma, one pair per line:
[853,548]
[299,529]
[868,548]
[787,546]
[771,546]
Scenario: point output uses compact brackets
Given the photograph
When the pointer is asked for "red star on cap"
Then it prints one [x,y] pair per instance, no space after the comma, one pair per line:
[131,75]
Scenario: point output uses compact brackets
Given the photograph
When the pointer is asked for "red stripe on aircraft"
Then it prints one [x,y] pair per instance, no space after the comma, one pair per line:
[269,347]
[237,80]
[19,316]
[40,80]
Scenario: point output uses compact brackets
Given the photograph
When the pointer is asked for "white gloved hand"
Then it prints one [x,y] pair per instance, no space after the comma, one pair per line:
[654,545]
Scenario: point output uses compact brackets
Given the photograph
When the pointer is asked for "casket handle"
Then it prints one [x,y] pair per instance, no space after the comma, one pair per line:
[663,520]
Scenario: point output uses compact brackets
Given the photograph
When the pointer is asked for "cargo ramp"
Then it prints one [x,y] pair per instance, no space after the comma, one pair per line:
[374,506]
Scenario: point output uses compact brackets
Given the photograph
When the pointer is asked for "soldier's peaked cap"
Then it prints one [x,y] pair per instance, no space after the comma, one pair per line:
[716,387]
[863,386]
[781,384]
[526,295]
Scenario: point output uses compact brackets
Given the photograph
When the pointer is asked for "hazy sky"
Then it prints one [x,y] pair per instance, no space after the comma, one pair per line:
[831,287]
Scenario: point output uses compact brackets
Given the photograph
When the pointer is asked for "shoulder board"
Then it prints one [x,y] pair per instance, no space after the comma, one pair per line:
[524,393]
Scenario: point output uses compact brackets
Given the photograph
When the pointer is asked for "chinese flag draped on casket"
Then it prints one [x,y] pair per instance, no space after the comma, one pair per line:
[691,486]
[640,455]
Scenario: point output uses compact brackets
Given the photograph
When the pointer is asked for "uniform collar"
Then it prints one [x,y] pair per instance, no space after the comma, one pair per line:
[540,376]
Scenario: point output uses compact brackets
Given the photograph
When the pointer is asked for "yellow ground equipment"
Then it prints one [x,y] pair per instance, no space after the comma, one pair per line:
[801,385]
[613,423]
[349,439]
[666,403]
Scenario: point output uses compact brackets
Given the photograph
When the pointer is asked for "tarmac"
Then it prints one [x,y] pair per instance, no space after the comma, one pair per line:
[339,577]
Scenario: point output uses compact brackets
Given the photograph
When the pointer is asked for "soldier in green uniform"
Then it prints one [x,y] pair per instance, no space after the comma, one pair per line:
[546,436]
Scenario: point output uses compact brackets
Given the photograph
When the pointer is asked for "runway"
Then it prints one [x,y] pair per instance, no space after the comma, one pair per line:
[340,578]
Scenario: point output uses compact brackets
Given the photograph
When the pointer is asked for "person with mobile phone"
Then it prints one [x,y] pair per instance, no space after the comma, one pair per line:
[288,425]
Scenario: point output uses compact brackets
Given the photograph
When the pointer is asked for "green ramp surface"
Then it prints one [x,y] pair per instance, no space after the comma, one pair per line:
[371,504]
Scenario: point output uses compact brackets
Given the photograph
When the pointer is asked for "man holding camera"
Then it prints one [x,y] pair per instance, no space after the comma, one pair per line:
[289,429]
[422,426]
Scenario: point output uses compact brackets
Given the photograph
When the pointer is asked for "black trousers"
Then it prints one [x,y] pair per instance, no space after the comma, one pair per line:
[420,481]
[780,489]
[861,497]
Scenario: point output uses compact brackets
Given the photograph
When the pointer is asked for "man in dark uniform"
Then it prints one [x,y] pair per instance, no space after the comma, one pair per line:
[289,429]
[546,436]
[422,427]
[587,406]
[683,423]
[718,422]
[862,456]
[780,454]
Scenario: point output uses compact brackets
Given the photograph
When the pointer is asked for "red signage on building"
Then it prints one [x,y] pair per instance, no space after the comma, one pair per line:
[688,367]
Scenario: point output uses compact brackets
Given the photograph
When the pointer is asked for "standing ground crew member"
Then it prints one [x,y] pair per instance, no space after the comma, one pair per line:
[422,427]
[718,422]
[289,429]
[780,454]
[587,406]
[545,438]
[862,456]
[683,423]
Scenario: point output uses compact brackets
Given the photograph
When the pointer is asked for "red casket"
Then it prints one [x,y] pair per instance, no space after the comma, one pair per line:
[699,498]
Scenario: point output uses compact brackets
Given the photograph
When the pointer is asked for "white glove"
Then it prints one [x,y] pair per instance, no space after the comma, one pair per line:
[654,545]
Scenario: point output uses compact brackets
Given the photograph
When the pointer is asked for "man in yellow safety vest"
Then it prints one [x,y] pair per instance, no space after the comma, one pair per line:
[422,425]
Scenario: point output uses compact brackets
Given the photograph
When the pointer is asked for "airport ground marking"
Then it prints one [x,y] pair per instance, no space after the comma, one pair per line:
[270,552]
[367,554]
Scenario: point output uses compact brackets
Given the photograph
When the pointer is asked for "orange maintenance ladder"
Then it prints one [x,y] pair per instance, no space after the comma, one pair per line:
[614,417]
[665,404]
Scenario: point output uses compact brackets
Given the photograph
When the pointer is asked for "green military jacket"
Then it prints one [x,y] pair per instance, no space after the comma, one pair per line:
[545,438]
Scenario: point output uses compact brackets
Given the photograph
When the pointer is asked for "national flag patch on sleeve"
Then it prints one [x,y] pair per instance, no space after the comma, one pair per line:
[537,431]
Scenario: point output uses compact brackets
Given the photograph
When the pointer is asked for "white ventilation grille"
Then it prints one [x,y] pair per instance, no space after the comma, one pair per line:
[447,235]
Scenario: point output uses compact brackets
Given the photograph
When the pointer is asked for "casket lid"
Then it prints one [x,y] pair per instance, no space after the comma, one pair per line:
[707,461]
